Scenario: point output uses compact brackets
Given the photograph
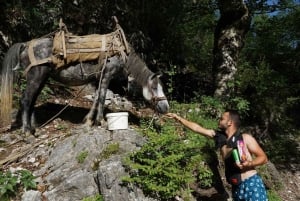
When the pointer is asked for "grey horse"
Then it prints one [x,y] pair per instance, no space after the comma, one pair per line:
[75,74]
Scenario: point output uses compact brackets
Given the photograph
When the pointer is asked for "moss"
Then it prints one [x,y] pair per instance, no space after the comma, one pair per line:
[82,156]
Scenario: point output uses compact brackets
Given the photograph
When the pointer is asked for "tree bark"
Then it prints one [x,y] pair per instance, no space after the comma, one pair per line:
[229,39]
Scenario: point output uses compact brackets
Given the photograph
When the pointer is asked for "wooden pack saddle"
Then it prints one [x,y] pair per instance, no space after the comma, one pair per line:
[69,48]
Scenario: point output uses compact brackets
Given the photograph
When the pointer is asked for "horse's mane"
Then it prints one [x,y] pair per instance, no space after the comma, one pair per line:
[138,68]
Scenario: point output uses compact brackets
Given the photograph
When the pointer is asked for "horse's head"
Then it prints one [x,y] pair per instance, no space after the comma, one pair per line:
[149,81]
[154,93]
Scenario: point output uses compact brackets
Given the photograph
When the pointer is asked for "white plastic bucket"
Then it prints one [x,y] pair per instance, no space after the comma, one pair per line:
[117,121]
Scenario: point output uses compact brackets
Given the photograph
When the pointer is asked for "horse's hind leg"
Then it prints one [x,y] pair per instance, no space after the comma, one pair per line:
[36,79]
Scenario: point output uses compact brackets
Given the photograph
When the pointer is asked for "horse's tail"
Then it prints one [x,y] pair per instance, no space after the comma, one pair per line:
[11,60]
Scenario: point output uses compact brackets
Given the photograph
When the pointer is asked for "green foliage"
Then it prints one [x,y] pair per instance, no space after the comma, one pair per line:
[109,150]
[27,179]
[283,149]
[82,156]
[94,198]
[10,183]
[268,73]
[214,107]
[273,196]
[171,84]
[205,176]
[170,161]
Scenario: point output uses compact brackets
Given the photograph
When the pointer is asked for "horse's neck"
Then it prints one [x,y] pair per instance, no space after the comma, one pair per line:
[138,69]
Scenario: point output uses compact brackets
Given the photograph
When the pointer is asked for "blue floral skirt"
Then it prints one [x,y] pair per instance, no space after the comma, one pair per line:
[251,189]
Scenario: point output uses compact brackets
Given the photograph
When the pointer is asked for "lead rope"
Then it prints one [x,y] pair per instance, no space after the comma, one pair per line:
[151,122]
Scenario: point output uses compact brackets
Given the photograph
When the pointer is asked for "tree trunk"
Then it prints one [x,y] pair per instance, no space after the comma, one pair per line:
[229,39]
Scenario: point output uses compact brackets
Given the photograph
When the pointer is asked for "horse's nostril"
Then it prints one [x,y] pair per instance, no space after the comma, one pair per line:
[162,107]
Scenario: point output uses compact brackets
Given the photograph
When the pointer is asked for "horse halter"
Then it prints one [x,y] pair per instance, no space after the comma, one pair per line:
[155,99]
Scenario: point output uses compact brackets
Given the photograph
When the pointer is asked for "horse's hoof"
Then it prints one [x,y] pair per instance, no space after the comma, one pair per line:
[28,132]
[28,137]
[102,123]
[89,122]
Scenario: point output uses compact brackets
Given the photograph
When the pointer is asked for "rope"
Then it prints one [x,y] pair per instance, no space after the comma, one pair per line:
[151,122]
[51,119]
[102,71]
[101,75]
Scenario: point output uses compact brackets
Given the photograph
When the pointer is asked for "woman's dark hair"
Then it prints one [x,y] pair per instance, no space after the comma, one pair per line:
[234,116]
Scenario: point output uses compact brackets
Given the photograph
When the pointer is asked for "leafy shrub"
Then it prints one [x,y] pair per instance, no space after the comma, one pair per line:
[10,183]
[169,162]
[27,179]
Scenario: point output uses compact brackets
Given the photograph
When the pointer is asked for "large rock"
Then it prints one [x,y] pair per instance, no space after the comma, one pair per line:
[67,178]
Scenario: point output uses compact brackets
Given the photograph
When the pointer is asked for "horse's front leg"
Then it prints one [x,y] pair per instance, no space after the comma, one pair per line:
[89,118]
[95,115]
[112,67]
[101,101]
[96,112]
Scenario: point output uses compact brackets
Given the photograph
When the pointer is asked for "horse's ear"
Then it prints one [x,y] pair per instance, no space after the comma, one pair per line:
[158,75]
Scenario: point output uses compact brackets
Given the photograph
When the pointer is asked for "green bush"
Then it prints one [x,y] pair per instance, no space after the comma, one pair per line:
[170,161]
[11,183]
[273,196]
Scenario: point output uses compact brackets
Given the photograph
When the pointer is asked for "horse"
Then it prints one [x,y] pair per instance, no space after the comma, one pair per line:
[17,59]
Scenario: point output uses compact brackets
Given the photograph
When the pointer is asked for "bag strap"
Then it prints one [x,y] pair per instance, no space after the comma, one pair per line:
[232,141]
